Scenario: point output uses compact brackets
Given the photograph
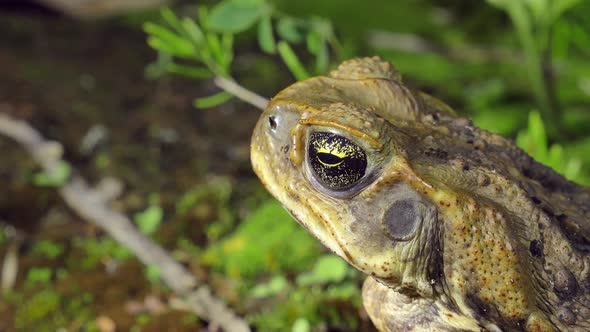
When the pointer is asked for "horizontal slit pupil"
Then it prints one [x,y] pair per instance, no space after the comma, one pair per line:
[328,158]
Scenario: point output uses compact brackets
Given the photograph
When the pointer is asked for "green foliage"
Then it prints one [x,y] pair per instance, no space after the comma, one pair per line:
[284,245]
[58,176]
[208,53]
[205,48]
[303,303]
[275,286]
[295,306]
[236,16]
[48,248]
[534,141]
[233,16]
[189,247]
[38,275]
[301,325]
[48,310]
[149,220]
[153,273]
[292,62]
[533,21]
[214,195]
[212,101]
[38,308]
[97,249]
[266,38]
[327,269]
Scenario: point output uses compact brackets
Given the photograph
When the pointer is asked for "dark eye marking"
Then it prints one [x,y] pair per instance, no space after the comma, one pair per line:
[336,162]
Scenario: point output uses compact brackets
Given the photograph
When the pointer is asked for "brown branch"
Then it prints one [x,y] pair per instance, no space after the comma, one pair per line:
[93,205]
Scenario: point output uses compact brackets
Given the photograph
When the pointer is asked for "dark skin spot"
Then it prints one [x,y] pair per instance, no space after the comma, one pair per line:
[566,316]
[565,283]
[536,248]
[548,211]
[436,153]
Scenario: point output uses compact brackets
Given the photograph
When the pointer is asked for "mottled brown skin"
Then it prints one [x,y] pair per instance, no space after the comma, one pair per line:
[499,242]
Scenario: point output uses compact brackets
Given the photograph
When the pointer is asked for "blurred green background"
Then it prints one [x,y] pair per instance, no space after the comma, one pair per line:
[130,96]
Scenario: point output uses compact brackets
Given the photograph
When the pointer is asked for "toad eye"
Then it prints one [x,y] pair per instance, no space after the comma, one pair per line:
[336,162]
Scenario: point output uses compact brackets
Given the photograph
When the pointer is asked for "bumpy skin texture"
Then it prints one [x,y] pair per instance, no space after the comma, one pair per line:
[458,229]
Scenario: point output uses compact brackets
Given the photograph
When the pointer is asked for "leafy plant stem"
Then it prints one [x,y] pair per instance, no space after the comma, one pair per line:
[240,92]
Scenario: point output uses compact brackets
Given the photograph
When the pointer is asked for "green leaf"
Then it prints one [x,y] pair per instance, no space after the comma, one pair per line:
[167,41]
[301,325]
[230,16]
[561,6]
[318,46]
[58,176]
[189,71]
[328,268]
[149,220]
[227,52]
[291,60]
[265,36]
[500,119]
[273,287]
[192,30]
[153,273]
[322,27]
[322,58]
[214,44]
[538,135]
[227,43]
[345,291]
[313,42]
[39,275]
[48,248]
[172,20]
[161,32]
[539,9]
[290,30]
[203,15]
[212,101]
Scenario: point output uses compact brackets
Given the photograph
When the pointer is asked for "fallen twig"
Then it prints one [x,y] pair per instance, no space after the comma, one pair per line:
[93,205]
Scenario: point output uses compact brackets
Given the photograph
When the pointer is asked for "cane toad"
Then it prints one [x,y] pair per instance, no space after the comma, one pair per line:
[457,228]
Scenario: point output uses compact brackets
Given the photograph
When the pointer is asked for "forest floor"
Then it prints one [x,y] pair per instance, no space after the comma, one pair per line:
[84,85]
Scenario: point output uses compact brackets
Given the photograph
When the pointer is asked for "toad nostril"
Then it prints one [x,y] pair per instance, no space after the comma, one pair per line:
[272,122]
